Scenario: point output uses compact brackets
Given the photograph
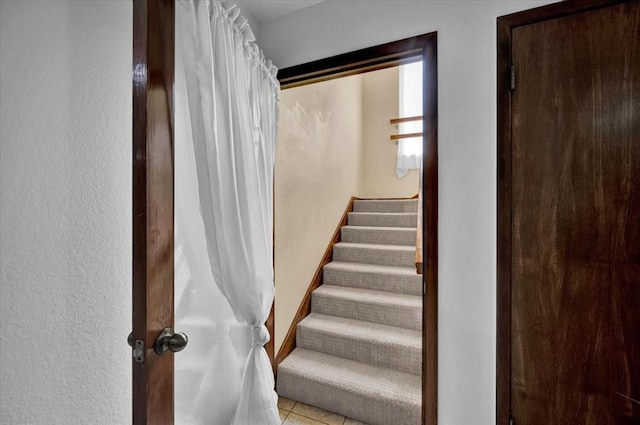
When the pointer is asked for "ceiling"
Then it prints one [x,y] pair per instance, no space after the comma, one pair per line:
[266,10]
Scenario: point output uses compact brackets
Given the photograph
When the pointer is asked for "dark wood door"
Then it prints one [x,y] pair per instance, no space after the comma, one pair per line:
[574,213]
[153,70]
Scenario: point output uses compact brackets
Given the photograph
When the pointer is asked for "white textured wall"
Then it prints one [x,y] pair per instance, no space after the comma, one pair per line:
[467,161]
[65,212]
[380,103]
[318,169]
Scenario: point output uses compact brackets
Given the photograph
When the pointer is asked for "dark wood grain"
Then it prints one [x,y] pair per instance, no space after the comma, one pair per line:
[370,59]
[430,233]
[575,220]
[555,10]
[423,47]
[503,335]
[289,342]
[153,267]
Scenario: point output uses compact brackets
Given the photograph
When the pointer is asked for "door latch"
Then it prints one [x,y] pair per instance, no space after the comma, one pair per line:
[138,348]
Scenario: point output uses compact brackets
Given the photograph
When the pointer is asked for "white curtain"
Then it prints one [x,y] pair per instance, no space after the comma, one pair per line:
[410,150]
[230,132]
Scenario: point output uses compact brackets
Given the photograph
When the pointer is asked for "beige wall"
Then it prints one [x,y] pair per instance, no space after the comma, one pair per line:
[380,103]
[318,169]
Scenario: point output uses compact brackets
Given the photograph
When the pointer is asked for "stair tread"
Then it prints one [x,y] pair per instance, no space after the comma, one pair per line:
[371,268]
[389,200]
[370,381]
[359,330]
[379,254]
[385,204]
[382,247]
[369,295]
[382,228]
[401,280]
[383,213]
[383,219]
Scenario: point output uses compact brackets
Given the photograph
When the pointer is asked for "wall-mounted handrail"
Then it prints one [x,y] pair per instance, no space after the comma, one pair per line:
[396,121]
[405,136]
[405,119]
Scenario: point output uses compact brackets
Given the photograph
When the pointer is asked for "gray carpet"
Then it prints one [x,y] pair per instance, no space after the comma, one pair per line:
[359,352]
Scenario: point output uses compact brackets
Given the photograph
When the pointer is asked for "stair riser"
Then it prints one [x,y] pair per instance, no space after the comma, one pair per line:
[383,257]
[336,398]
[388,314]
[375,235]
[404,206]
[376,353]
[383,220]
[379,282]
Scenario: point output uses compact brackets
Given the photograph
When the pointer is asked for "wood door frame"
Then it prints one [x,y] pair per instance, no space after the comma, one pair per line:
[152,206]
[505,26]
[387,55]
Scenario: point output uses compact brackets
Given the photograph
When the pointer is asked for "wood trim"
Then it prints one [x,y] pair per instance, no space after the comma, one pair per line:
[370,59]
[405,136]
[503,338]
[304,309]
[554,10]
[430,234]
[419,253]
[350,72]
[152,199]
[406,119]
[422,47]
[505,26]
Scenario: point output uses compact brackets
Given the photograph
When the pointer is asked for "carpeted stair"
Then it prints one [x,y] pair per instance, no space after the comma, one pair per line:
[359,352]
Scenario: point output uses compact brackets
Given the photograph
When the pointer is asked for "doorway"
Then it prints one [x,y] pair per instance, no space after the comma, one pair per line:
[392,54]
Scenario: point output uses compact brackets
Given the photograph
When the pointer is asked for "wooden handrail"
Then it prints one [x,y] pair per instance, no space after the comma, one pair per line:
[406,119]
[405,136]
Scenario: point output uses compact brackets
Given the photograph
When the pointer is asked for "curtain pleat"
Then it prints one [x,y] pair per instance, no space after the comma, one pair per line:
[232,101]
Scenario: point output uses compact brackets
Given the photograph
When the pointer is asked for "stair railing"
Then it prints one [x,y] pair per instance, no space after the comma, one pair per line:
[396,121]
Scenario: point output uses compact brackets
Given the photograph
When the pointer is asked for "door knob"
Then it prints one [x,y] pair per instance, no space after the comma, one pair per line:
[169,341]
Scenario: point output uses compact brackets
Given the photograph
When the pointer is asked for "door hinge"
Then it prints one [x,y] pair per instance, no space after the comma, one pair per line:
[513,83]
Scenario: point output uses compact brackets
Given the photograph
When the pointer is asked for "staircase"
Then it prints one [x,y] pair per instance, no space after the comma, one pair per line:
[359,352]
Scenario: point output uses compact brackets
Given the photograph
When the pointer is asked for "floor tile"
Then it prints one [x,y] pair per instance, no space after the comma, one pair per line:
[283,414]
[285,403]
[294,419]
[321,415]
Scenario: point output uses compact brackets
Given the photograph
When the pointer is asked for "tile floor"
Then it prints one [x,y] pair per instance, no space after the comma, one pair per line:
[297,413]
